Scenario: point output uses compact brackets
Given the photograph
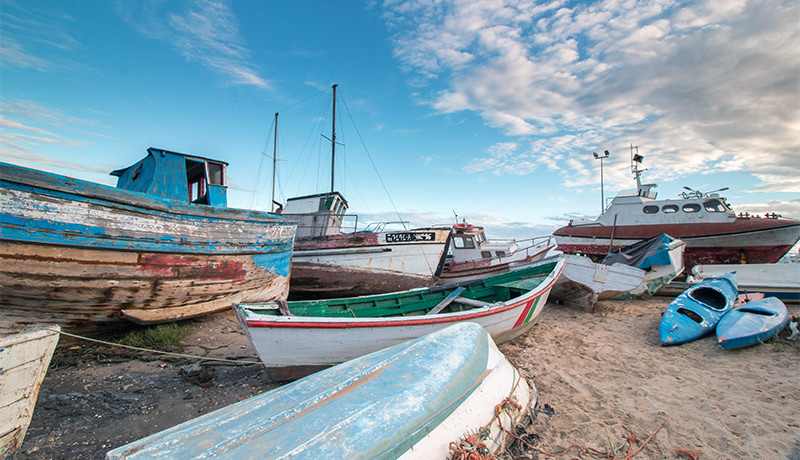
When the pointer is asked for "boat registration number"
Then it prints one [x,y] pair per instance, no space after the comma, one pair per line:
[406,237]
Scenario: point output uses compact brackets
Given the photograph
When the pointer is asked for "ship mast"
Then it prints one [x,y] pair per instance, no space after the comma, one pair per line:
[274,163]
[333,136]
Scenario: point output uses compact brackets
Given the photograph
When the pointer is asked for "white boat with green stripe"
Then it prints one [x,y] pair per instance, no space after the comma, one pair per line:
[305,336]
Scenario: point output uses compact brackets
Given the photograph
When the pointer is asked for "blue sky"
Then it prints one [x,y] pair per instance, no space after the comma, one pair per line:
[489,108]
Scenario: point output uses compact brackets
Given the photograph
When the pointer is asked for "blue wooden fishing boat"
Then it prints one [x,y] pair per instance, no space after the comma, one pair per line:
[160,246]
[752,323]
[409,401]
[696,312]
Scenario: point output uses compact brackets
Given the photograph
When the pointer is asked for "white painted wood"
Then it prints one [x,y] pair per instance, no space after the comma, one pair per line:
[24,359]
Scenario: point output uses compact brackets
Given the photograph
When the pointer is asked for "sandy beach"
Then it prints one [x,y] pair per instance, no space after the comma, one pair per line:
[604,384]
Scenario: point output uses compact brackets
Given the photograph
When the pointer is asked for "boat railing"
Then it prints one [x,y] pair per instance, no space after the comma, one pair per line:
[378,227]
[322,220]
[536,243]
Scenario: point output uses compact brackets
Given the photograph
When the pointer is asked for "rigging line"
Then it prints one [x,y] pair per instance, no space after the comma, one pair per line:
[254,195]
[304,100]
[266,144]
[370,159]
[312,139]
[400,218]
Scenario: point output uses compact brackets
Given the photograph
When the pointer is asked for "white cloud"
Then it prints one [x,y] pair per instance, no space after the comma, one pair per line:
[715,83]
[204,31]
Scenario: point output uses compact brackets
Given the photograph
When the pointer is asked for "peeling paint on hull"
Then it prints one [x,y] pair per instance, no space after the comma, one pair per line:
[84,255]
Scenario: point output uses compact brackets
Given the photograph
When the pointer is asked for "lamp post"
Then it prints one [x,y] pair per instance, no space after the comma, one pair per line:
[602,157]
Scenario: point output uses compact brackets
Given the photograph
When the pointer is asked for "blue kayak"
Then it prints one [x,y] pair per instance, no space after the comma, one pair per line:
[697,310]
[408,401]
[752,323]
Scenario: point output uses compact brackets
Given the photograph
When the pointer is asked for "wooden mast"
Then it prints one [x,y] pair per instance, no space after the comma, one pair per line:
[333,136]
[274,163]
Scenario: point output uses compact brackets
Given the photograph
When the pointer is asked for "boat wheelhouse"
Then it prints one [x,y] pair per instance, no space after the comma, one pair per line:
[472,255]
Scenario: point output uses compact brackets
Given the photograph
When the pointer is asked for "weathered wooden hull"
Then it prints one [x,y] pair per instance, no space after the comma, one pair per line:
[584,282]
[24,359]
[367,263]
[85,255]
[406,402]
[288,343]
[781,280]
[756,240]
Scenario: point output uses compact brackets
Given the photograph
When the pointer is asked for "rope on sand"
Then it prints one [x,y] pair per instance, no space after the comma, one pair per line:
[472,448]
[181,355]
[693,454]
[631,439]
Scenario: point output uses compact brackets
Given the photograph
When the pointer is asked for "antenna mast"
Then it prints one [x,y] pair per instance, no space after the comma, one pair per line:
[636,160]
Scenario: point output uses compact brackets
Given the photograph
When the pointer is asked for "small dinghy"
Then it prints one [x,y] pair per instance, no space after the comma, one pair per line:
[752,323]
[409,401]
[696,312]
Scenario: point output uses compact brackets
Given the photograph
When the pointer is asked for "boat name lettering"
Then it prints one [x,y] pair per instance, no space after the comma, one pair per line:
[406,237]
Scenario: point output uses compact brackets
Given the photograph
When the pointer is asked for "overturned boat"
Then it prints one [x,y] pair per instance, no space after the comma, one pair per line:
[409,401]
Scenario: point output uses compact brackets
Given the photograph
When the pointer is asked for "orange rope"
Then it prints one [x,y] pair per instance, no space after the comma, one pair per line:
[589,450]
[693,454]
[471,448]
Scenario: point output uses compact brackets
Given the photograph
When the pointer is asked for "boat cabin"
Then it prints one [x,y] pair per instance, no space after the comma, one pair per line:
[177,176]
[317,215]
[469,243]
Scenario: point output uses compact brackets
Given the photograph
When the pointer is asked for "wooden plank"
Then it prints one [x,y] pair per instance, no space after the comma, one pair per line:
[471,302]
[446,301]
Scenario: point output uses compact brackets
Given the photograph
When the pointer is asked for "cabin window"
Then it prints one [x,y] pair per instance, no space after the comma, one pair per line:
[669,208]
[460,242]
[714,206]
[486,254]
[216,173]
[481,238]
[196,179]
[650,209]
[332,204]
[691,207]
[500,253]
